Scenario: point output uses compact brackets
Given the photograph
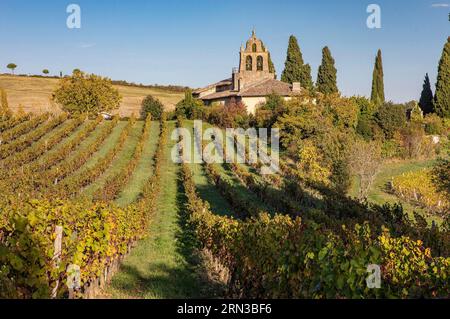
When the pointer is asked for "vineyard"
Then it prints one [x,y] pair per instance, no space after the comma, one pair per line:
[85,195]
[418,187]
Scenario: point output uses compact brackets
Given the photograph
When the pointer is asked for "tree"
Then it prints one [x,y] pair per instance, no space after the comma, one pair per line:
[83,93]
[366,114]
[310,165]
[45,71]
[189,107]
[365,161]
[391,118]
[442,94]
[326,77]
[416,115]
[426,97]
[152,106]
[12,66]
[294,68]
[377,96]
[271,66]
[412,138]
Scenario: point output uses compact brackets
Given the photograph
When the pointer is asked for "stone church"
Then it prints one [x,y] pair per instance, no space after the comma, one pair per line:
[251,82]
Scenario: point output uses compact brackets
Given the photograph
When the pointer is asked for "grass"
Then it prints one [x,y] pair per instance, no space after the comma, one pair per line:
[164,264]
[379,194]
[105,147]
[208,192]
[34,94]
[119,162]
[63,142]
[87,141]
[143,171]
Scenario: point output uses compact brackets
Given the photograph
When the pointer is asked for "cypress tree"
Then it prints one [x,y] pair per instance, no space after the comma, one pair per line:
[294,62]
[305,77]
[294,68]
[442,95]
[426,97]
[272,66]
[326,77]
[377,96]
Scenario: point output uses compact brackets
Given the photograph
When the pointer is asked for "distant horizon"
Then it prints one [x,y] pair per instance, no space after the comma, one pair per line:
[194,44]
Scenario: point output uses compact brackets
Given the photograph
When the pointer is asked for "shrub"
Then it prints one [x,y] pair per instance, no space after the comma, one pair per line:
[190,108]
[152,106]
[391,117]
[441,175]
[433,124]
[83,93]
[232,114]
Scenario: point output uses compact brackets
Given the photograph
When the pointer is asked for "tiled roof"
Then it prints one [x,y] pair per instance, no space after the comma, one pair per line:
[218,95]
[223,82]
[267,87]
[262,88]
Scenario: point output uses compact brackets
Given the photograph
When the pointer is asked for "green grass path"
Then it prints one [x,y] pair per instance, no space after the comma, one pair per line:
[208,192]
[163,265]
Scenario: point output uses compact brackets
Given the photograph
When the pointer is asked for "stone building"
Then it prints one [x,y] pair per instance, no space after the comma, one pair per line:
[251,82]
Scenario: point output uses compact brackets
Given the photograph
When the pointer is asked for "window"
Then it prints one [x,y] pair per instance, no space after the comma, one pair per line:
[248,63]
[259,63]
[254,47]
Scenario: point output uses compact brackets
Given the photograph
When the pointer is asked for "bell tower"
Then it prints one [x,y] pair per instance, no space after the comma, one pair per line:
[253,65]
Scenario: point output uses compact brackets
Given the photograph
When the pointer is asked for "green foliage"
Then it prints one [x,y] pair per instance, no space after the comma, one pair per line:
[190,108]
[83,93]
[152,106]
[441,176]
[326,77]
[416,115]
[267,113]
[377,96]
[366,124]
[93,236]
[25,141]
[271,66]
[233,114]
[433,124]
[391,118]
[284,257]
[442,94]
[12,67]
[45,71]
[413,139]
[426,97]
[311,165]
[117,182]
[391,149]
[294,68]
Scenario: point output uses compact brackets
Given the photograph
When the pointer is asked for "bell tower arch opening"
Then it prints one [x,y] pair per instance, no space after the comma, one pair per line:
[254,62]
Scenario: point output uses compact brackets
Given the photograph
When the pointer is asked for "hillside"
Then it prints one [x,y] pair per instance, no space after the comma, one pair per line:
[34,94]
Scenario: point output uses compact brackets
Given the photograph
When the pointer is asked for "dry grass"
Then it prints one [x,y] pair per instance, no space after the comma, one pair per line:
[34,95]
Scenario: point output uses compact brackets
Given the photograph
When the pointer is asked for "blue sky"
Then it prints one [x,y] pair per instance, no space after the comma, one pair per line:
[197,42]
